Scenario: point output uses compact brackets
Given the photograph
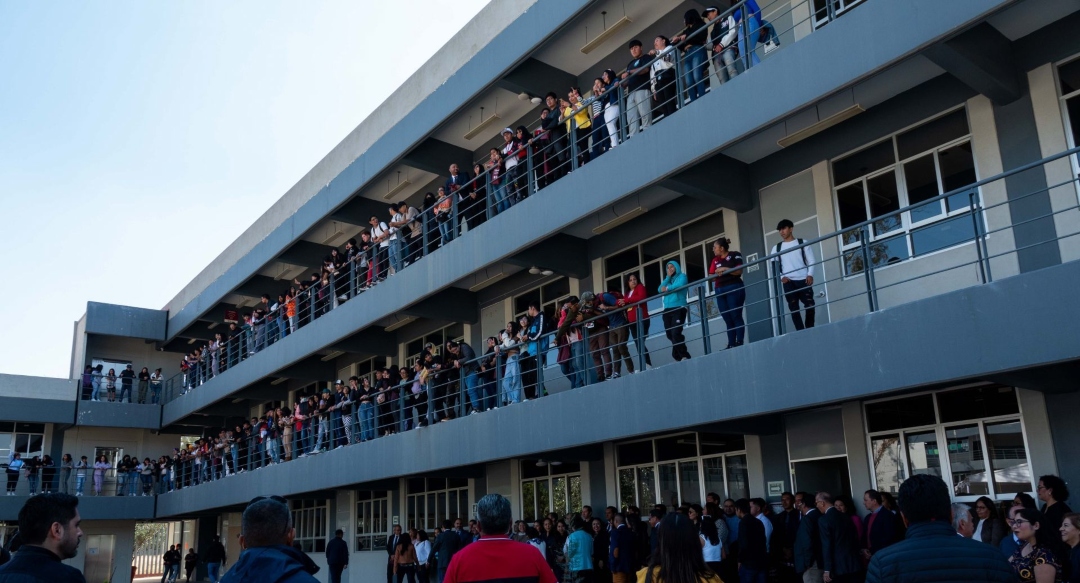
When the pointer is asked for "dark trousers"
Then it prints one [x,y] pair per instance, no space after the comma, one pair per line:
[529,377]
[800,291]
[674,320]
[729,300]
[601,354]
[641,341]
[747,575]
[335,573]
[404,573]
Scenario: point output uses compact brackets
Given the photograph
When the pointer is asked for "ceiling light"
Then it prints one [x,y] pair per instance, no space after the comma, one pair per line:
[546,272]
[523,96]
[536,100]
[604,36]
[534,270]
[556,463]
[541,464]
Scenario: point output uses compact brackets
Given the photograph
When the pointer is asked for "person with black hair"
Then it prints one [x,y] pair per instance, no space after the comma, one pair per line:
[879,529]
[578,551]
[988,527]
[1035,560]
[726,265]
[796,274]
[1053,492]
[446,545]
[191,560]
[49,532]
[753,544]
[932,551]
[495,557]
[215,558]
[678,557]
[266,535]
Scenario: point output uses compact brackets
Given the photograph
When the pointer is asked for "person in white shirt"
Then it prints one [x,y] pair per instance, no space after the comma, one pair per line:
[380,234]
[796,274]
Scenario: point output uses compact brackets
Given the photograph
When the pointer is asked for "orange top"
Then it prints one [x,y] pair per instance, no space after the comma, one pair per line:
[290,308]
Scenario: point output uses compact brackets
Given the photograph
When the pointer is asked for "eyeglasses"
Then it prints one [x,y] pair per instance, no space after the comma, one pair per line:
[1017,521]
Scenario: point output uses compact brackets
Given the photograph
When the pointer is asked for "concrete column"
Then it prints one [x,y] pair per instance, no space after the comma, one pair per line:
[1040,441]
[857,454]
[755,467]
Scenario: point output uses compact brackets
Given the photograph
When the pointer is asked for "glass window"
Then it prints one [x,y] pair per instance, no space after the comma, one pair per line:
[738,479]
[557,491]
[865,161]
[957,171]
[852,208]
[690,482]
[977,402]
[900,413]
[646,483]
[310,520]
[713,469]
[884,198]
[928,135]
[712,443]
[1008,458]
[922,453]
[528,501]
[703,229]
[636,452]
[888,466]
[922,184]
[623,261]
[676,447]
[680,480]
[627,488]
[944,234]
[575,493]
[437,499]
[669,485]
[966,461]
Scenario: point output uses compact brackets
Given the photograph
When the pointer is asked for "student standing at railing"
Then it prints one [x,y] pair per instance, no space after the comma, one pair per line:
[693,51]
[442,209]
[675,310]
[412,238]
[127,378]
[509,151]
[537,336]
[397,221]
[144,384]
[521,183]
[636,77]
[662,75]
[597,333]
[66,465]
[380,234]
[511,380]
[475,201]
[609,96]
[726,265]
[95,380]
[750,30]
[722,38]
[15,465]
[496,180]
[557,154]
[110,385]
[571,351]
[633,314]
[100,467]
[367,410]
[80,475]
[796,274]
[580,123]
[155,386]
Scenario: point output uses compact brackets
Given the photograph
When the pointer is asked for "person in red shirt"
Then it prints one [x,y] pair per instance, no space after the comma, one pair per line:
[636,294]
[494,556]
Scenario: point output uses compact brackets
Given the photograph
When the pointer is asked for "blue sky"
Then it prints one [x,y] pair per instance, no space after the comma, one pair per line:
[139,139]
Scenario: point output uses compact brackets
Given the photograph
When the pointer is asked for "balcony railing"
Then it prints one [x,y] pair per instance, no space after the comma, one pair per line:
[540,155]
[456,385]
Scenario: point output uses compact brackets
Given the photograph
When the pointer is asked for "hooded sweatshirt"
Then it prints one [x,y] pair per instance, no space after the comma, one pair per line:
[276,564]
[677,299]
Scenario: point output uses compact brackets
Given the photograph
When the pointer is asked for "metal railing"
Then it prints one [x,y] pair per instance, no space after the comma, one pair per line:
[549,149]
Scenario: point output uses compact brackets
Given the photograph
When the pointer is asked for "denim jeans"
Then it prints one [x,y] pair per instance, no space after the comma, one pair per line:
[396,261]
[125,390]
[97,390]
[726,65]
[80,482]
[729,300]
[121,479]
[511,381]
[367,421]
[502,201]
[751,575]
[213,570]
[234,449]
[475,399]
[694,72]
[751,31]
[446,232]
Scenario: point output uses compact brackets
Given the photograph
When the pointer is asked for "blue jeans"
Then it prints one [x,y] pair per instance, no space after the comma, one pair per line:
[471,381]
[367,421]
[235,450]
[97,390]
[502,200]
[80,481]
[446,231]
[213,570]
[752,29]
[751,575]
[132,481]
[729,300]
[511,381]
[396,261]
[694,72]
[577,359]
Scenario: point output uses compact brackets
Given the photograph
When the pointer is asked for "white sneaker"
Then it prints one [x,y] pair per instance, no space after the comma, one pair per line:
[614,376]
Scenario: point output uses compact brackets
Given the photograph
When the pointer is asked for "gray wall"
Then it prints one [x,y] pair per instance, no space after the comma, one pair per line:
[114,320]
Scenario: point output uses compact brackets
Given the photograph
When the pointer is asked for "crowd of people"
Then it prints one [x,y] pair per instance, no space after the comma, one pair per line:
[142,387]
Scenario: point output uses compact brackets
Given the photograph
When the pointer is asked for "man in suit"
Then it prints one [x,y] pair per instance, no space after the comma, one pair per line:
[391,544]
[839,542]
[447,544]
[880,525]
[807,550]
[337,555]
[621,550]
[457,180]
[753,545]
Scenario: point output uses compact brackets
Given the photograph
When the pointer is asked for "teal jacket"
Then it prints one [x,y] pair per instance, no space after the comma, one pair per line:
[677,299]
[579,551]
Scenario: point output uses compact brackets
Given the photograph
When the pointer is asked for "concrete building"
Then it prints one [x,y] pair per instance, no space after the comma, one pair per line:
[920,148]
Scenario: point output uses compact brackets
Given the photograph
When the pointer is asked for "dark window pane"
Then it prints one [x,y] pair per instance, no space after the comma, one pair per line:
[415,347]
[454,331]
[436,484]
[852,207]
[676,447]
[7,426]
[1073,105]
[932,134]
[556,289]
[884,198]
[920,177]
[521,303]
[976,403]
[616,283]
[863,162]
[620,262]
[705,229]
[1069,73]
[696,264]
[942,234]
[457,482]
[566,468]
[712,443]
[661,246]
[638,452]
[957,171]
[898,413]
[30,427]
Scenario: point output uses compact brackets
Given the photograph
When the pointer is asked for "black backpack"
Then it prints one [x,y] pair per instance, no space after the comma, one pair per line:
[802,250]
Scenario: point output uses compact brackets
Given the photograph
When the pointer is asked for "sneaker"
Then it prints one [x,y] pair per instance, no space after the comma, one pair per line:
[614,376]
[339,447]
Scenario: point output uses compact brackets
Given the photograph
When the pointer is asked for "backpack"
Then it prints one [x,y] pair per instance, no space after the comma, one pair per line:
[802,250]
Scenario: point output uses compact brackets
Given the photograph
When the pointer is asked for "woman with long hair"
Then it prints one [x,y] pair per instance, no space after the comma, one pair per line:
[678,557]
[511,381]
[1034,561]
[988,528]
[423,553]
[405,560]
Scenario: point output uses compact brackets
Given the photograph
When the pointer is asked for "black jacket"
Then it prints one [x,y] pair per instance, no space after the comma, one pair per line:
[447,544]
[216,553]
[808,542]
[337,552]
[752,550]
[839,543]
[34,564]
[933,552]
[882,532]
[459,181]
[276,564]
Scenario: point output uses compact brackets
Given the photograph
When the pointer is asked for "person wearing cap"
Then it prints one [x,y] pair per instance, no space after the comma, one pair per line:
[638,104]
[722,39]
[509,151]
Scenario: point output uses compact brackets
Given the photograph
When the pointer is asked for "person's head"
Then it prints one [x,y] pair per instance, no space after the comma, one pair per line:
[508,135]
[608,76]
[448,524]
[551,100]
[661,42]
[453,169]
[1070,529]
[1027,526]
[961,520]
[694,512]
[576,523]
[560,527]
[678,551]
[1024,500]
[534,309]
[721,246]
[597,525]
[757,505]
[397,530]
[742,507]
[844,504]
[493,514]
[691,17]
[457,523]
[586,512]
[710,13]
[872,500]
[1052,489]
[635,48]
[51,521]
[609,512]
[266,522]
[984,509]
[925,498]
[823,501]
[785,227]
[803,502]
[787,501]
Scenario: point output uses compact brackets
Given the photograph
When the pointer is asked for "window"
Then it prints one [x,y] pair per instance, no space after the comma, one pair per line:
[549,487]
[972,438]
[429,501]
[907,168]
[690,245]
[439,338]
[310,518]
[27,439]
[372,520]
[821,10]
[1069,80]
[549,297]
[681,468]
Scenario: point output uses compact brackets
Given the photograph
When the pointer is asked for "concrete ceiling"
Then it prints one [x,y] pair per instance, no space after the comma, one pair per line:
[1024,18]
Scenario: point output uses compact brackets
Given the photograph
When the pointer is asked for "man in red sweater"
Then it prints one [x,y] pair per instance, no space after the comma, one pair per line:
[494,557]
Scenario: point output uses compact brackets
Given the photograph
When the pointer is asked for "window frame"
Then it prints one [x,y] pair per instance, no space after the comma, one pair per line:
[939,429]
[699,459]
[549,479]
[907,226]
[463,514]
[1071,141]
[372,516]
[308,527]
[845,5]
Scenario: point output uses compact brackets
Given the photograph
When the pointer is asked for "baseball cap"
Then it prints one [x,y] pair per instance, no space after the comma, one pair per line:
[588,296]
[338,382]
